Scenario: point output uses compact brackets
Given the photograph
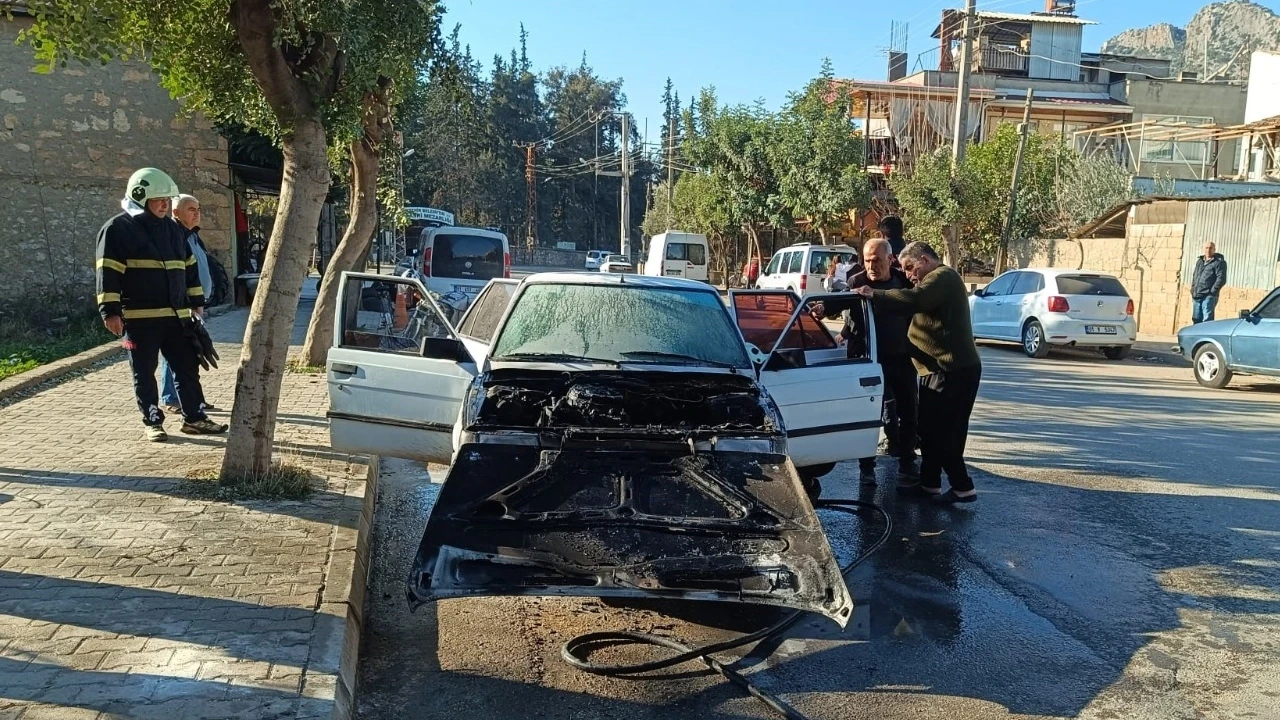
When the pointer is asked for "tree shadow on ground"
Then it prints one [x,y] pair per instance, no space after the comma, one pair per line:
[322,506]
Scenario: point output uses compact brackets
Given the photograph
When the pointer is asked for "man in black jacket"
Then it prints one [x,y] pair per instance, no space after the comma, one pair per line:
[894,351]
[148,290]
[1207,281]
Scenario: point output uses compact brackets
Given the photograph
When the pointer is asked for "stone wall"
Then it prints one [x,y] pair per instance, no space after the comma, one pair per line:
[1149,263]
[68,142]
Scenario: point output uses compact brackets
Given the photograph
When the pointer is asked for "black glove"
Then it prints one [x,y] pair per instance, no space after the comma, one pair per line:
[206,354]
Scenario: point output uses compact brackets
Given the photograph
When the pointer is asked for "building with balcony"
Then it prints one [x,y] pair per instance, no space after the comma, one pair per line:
[1129,107]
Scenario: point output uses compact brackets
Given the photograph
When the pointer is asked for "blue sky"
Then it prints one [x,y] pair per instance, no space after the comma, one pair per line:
[747,49]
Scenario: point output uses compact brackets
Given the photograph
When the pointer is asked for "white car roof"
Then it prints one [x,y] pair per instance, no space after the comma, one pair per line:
[592,278]
[1055,272]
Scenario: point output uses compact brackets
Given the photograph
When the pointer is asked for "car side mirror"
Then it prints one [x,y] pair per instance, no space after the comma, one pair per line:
[979,293]
[1246,314]
[444,349]
[757,355]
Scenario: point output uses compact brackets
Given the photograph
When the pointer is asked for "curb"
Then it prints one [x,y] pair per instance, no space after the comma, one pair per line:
[60,369]
[356,567]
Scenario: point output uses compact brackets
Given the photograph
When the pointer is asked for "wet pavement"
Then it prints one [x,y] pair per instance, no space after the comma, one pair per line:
[1123,562]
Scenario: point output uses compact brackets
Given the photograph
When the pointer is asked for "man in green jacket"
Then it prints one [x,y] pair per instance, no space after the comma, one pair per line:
[947,362]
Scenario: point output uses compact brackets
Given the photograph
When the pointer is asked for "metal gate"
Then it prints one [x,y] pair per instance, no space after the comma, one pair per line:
[1247,233]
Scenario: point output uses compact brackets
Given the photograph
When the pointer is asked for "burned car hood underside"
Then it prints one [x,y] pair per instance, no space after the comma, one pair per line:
[585,514]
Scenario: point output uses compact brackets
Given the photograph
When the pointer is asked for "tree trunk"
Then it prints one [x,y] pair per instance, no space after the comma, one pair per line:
[275,303]
[951,251]
[822,234]
[355,243]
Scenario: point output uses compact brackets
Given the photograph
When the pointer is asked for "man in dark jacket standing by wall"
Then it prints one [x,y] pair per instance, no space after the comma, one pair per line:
[947,362]
[1207,281]
[894,353]
[148,290]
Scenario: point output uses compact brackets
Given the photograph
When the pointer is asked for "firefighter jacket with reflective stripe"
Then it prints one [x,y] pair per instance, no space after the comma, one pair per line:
[145,269]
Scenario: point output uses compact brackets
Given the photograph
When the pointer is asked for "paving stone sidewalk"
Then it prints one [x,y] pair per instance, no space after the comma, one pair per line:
[122,597]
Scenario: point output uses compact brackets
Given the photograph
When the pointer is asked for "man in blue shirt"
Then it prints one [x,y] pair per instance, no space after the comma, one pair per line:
[186,212]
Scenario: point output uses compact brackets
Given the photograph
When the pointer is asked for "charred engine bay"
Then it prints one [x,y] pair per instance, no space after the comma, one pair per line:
[686,402]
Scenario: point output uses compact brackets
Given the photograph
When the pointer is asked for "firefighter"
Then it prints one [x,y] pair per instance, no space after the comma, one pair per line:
[148,294]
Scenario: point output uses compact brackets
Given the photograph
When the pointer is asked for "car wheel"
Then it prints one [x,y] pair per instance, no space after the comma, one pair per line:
[1117,353]
[1210,368]
[809,478]
[1034,343]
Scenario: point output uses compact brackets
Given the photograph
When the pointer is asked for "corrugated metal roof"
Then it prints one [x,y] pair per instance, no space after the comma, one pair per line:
[1035,18]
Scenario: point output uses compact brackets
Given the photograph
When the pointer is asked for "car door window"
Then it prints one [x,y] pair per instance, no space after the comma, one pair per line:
[1028,283]
[774,263]
[793,264]
[762,317]
[1001,285]
[697,254]
[389,315]
[483,319]
[1270,310]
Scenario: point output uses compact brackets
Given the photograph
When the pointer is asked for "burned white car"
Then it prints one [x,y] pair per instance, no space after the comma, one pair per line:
[611,435]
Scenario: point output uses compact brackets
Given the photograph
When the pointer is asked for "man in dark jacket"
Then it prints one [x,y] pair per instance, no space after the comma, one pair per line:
[894,352]
[1207,281]
[148,290]
[947,362]
[891,228]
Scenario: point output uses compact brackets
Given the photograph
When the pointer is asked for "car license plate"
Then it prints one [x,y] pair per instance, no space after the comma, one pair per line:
[468,289]
[1099,330]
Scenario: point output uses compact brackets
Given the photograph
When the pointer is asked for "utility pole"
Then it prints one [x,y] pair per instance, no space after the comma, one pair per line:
[625,239]
[960,137]
[1002,254]
[671,171]
[531,197]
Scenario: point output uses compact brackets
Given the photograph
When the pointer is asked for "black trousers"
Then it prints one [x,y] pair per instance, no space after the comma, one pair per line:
[946,402]
[146,341]
[901,395]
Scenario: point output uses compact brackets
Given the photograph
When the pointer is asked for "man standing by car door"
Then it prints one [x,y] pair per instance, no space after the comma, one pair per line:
[894,351]
[947,362]
[1207,281]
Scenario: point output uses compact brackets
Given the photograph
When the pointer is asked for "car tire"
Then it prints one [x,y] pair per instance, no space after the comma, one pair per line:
[1117,353]
[1034,343]
[810,478]
[1210,368]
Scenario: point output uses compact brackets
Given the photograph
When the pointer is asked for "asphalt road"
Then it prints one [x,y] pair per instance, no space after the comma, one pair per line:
[1123,562]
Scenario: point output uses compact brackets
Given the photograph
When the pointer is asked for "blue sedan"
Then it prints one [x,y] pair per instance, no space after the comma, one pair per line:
[1248,345]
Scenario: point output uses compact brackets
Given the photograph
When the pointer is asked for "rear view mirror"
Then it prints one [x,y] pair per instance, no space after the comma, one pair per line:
[444,349]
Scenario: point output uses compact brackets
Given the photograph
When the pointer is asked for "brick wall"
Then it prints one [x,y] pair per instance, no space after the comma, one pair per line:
[1149,263]
[68,142]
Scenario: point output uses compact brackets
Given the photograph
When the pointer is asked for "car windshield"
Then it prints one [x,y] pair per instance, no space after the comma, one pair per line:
[619,323]
[1090,285]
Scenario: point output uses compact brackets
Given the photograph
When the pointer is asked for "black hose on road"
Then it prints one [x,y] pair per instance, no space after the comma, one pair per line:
[576,651]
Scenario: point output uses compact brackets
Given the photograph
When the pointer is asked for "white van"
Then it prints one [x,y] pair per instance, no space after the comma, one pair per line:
[462,259]
[678,254]
[802,267]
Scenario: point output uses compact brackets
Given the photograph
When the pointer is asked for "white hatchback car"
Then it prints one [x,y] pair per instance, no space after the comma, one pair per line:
[1041,308]
[657,449]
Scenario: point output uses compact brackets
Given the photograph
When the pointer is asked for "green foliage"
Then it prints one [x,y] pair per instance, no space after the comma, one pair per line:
[976,196]
[1089,187]
[464,132]
[36,334]
[817,157]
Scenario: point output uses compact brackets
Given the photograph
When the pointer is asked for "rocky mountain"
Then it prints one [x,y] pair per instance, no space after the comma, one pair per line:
[1220,38]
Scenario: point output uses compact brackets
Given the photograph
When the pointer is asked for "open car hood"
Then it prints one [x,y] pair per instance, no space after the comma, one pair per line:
[635,519]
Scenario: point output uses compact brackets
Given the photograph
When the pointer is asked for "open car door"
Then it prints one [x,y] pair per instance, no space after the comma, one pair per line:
[830,402]
[397,372]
